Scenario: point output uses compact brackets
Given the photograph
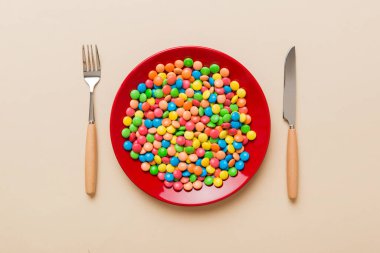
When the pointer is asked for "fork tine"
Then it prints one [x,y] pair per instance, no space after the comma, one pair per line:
[92,59]
[84,59]
[89,59]
[97,58]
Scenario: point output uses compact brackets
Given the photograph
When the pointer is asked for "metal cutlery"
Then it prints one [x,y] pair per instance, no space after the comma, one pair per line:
[91,73]
[290,116]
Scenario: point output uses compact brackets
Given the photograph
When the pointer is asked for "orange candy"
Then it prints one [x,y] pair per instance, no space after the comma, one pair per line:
[241,102]
[179,101]
[152,74]
[160,68]
[157,81]
[224,72]
[215,147]
[177,71]
[178,64]
[239,138]
[217,172]
[169,67]
[248,120]
[187,105]
[186,73]
[198,170]
[191,167]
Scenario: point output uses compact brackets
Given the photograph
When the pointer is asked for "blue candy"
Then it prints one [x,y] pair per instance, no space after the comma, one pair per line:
[235,116]
[174,161]
[165,143]
[208,111]
[169,177]
[186,173]
[222,144]
[142,158]
[141,87]
[244,156]
[235,124]
[196,74]
[212,98]
[172,107]
[237,145]
[157,122]
[204,172]
[149,157]
[127,145]
[211,80]
[228,158]
[198,162]
[227,89]
[179,83]
[239,165]
[148,123]
[140,106]
[223,164]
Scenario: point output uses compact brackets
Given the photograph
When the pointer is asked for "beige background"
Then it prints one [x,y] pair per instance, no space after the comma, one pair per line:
[44,107]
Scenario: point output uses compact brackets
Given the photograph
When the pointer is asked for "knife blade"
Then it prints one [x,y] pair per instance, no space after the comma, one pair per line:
[289,115]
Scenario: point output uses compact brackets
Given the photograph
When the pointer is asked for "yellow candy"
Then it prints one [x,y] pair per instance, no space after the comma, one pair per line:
[243,117]
[188,135]
[127,121]
[151,101]
[241,93]
[234,85]
[206,94]
[174,139]
[162,167]
[169,168]
[218,182]
[161,130]
[170,129]
[182,95]
[173,115]
[230,148]
[229,139]
[206,145]
[234,99]
[251,135]
[223,175]
[215,108]
[223,134]
[205,162]
[216,76]
[202,137]
[196,143]
[157,159]
[210,169]
[139,114]
[162,75]
[197,85]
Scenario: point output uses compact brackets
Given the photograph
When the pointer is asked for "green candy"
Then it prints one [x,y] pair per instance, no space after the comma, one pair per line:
[164,82]
[212,125]
[178,148]
[214,68]
[153,170]
[208,180]
[182,128]
[223,112]
[125,132]
[189,150]
[179,133]
[245,129]
[208,154]
[137,121]
[165,114]
[232,171]
[193,178]
[227,118]
[234,107]
[198,96]
[214,118]
[162,152]
[158,93]
[133,128]
[150,138]
[220,121]
[142,97]
[188,62]
[134,155]
[212,140]
[148,93]
[201,111]
[174,93]
[135,94]
[205,71]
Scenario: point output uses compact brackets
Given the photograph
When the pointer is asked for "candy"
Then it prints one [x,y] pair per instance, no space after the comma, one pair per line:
[187,124]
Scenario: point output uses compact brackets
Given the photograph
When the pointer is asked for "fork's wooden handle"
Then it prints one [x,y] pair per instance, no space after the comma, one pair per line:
[292,164]
[91,162]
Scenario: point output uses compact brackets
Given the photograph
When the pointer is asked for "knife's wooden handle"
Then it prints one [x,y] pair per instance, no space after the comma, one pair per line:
[292,164]
[91,160]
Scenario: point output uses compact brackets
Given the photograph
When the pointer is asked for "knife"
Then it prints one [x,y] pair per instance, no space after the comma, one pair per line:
[290,116]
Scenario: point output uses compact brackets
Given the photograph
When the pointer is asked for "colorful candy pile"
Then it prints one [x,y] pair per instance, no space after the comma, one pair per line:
[188,125]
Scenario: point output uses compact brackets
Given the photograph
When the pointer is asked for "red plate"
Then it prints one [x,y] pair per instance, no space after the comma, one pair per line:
[257,108]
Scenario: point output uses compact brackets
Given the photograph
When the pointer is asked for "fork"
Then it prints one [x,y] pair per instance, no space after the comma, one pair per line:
[91,73]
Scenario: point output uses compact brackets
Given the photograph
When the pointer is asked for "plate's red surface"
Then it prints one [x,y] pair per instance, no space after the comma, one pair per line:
[257,106]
